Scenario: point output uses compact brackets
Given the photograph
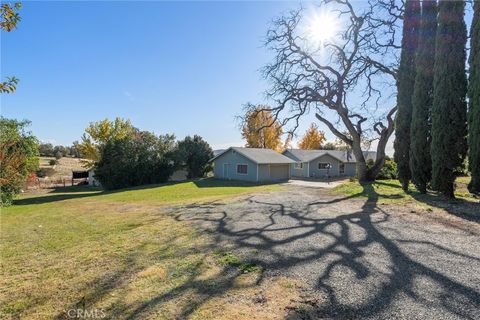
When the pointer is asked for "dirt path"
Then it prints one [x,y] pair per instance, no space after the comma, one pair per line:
[358,259]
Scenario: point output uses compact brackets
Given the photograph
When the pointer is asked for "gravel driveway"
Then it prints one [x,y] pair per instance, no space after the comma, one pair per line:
[358,258]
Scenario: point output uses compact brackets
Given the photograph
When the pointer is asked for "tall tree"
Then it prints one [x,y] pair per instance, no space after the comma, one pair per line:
[405,84]
[261,130]
[193,154]
[9,18]
[474,98]
[312,139]
[99,133]
[357,59]
[420,137]
[449,110]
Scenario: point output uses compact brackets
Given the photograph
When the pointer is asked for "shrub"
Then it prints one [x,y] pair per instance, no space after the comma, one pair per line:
[52,162]
[19,154]
[388,171]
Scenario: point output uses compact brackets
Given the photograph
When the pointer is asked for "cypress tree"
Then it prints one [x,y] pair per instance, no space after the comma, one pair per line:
[449,110]
[474,98]
[420,161]
[405,83]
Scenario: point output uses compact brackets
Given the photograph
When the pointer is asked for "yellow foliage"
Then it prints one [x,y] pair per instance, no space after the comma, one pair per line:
[261,131]
[312,139]
[99,133]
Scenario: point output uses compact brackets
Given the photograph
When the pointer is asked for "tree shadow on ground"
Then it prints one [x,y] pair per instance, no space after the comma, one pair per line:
[335,248]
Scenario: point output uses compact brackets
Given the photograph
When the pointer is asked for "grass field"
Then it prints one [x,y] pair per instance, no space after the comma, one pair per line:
[118,255]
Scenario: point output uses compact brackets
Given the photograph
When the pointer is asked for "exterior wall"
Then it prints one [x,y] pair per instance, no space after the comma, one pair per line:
[230,159]
[350,169]
[303,172]
[319,173]
[91,179]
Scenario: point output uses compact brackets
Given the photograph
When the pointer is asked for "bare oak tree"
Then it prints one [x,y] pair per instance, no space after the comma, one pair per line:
[345,76]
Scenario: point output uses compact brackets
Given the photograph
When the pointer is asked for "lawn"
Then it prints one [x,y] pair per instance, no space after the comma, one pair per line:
[119,255]
[390,192]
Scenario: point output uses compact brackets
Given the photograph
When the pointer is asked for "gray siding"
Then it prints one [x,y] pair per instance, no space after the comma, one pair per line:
[303,172]
[229,161]
[350,169]
[320,173]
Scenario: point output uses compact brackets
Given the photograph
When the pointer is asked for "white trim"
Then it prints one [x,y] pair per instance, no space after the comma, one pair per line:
[308,169]
[241,164]
[257,171]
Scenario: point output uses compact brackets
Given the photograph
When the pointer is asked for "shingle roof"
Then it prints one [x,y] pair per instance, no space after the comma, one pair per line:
[344,156]
[260,156]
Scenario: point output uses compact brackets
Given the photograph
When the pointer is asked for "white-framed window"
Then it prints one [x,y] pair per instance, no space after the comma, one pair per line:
[298,165]
[324,165]
[242,168]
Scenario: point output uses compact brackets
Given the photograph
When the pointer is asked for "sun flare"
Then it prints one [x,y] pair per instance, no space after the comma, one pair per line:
[322,27]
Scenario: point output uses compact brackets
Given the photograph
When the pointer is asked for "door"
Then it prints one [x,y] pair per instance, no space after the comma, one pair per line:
[225,171]
[341,168]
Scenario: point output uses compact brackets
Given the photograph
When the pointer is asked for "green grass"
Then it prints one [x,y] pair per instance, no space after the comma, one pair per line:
[390,192]
[110,250]
[166,194]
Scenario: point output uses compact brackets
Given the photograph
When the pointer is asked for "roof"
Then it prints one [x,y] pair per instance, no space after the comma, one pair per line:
[259,156]
[343,156]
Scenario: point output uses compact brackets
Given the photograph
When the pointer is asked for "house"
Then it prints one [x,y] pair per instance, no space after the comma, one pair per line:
[251,164]
[323,163]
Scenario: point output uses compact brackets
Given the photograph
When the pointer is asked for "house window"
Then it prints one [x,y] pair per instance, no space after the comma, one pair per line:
[298,165]
[324,165]
[242,168]
[341,168]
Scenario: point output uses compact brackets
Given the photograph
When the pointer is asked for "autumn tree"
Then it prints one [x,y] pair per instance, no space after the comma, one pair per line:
[9,18]
[313,138]
[326,78]
[261,130]
[405,84]
[18,157]
[449,110]
[474,99]
[98,134]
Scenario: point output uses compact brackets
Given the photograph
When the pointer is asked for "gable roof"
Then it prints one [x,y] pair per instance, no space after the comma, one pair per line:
[343,156]
[259,156]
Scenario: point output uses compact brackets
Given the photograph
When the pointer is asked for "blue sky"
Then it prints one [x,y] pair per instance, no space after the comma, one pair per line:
[182,68]
[170,67]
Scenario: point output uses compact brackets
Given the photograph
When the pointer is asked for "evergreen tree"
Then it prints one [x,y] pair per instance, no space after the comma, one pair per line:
[474,98]
[405,84]
[449,110]
[420,160]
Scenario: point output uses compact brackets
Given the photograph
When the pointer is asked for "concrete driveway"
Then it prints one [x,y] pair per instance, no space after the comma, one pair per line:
[360,259]
[311,183]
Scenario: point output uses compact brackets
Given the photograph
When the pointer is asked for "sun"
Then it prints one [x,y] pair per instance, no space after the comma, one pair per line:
[322,27]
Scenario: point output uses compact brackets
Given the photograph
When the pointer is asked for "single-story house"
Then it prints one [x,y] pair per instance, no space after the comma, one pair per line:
[251,164]
[323,163]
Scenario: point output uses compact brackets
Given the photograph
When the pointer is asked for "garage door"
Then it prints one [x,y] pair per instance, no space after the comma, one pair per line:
[279,172]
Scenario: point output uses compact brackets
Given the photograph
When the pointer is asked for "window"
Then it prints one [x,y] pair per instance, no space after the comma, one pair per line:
[298,165]
[341,168]
[324,165]
[242,168]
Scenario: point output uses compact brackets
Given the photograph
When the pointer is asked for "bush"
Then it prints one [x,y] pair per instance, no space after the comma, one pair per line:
[19,153]
[52,162]
[388,171]
[142,158]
